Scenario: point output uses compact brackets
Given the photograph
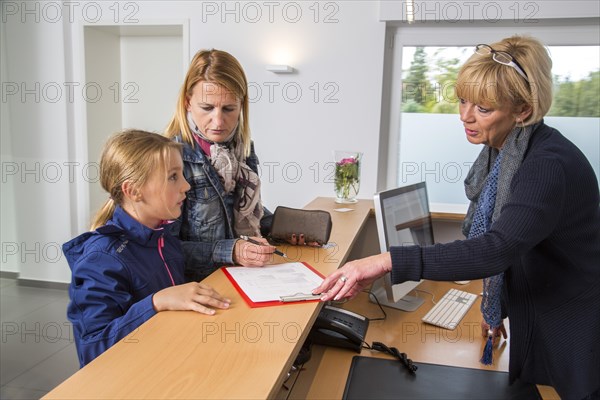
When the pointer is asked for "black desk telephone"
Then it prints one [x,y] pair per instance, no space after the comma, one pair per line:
[340,328]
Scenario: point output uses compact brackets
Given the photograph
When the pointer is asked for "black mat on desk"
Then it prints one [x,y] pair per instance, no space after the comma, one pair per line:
[376,378]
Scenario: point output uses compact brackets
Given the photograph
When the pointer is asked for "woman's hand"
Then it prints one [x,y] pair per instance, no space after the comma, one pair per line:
[353,277]
[252,255]
[193,296]
[496,332]
[299,240]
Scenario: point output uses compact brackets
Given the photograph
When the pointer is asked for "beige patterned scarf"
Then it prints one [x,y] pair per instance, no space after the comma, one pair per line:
[227,159]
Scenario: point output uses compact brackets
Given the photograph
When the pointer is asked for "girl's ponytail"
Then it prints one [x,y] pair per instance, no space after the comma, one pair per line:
[104,214]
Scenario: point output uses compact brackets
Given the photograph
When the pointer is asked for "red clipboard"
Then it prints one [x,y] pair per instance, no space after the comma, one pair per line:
[271,303]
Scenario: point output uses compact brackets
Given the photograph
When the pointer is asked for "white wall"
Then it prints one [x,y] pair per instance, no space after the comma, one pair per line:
[148,85]
[8,232]
[103,114]
[337,106]
[336,47]
[35,65]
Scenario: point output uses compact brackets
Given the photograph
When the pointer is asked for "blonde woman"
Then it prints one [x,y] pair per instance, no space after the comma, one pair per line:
[224,202]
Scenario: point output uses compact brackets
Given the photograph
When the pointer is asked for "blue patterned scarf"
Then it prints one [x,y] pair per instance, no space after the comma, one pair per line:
[491,306]
[488,189]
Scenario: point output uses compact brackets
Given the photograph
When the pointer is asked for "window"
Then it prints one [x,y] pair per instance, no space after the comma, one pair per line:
[576,72]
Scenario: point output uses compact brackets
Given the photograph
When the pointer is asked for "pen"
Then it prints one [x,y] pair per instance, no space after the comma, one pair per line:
[299,297]
[248,239]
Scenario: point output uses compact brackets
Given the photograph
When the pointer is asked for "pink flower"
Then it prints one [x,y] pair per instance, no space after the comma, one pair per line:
[349,160]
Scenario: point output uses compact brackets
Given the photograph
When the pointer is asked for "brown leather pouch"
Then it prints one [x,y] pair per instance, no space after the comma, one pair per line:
[315,225]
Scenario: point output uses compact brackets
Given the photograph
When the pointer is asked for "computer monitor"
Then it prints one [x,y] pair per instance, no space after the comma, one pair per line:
[403,218]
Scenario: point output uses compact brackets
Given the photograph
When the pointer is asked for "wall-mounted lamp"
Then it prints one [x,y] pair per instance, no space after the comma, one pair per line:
[280,69]
[410,11]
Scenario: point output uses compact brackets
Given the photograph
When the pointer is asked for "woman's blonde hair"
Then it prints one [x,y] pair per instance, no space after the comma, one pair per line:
[483,81]
[133,156]
[222,68]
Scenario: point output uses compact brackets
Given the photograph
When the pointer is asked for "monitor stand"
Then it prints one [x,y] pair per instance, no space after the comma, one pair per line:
[406,303]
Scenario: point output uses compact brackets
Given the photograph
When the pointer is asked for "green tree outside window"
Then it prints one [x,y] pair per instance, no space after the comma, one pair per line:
[428,85]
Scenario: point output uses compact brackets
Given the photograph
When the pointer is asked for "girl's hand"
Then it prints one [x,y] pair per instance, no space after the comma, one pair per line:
[353,277]
[252,255]
[193,296]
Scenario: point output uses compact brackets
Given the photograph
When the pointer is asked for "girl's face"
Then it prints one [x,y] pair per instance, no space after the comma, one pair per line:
[162,196]
[215,110]
[485,125]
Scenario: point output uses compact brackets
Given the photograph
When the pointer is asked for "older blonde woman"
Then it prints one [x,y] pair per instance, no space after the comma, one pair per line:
[533,227]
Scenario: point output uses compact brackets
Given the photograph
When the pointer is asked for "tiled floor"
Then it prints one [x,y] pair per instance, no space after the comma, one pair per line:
[37,351]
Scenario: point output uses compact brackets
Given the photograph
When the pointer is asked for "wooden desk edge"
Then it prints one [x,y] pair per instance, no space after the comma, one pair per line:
[436,216]
[447,217]
[70,385]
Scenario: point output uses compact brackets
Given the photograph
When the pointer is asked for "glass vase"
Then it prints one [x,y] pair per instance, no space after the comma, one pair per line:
[347,175]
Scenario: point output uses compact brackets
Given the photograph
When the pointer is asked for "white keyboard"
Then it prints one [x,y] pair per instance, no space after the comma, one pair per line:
[448,311]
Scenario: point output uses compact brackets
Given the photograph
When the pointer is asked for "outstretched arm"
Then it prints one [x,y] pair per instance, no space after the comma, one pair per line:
[353,277]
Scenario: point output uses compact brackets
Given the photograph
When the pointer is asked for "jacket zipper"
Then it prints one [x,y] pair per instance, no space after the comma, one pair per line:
[161,244]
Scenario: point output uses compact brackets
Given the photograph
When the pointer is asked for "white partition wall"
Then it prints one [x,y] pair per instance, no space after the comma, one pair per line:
[133,74]
[103,114]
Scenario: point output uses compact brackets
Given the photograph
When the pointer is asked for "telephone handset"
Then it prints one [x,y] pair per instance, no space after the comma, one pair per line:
[340,328]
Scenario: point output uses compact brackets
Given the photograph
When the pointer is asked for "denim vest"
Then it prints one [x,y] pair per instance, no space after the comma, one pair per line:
[206,223]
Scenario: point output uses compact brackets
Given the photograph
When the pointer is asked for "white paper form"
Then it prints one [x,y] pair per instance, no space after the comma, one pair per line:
[272,282]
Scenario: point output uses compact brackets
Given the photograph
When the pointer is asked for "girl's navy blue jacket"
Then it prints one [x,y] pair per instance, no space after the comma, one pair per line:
[115,272]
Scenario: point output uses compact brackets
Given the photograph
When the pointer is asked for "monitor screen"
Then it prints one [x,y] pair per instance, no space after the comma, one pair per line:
[404,213]
[402,216]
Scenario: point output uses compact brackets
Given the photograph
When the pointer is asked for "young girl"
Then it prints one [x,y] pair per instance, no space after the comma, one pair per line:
[129,267]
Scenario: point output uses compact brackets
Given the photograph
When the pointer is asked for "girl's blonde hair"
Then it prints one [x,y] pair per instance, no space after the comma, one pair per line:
[218,67]
[483,81]
[133,156]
